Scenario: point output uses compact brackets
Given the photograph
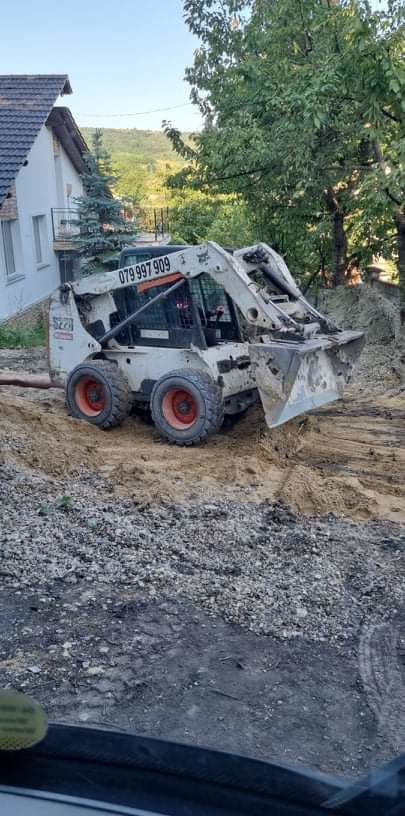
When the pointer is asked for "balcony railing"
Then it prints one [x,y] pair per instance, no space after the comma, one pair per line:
[65,226]
[151,223]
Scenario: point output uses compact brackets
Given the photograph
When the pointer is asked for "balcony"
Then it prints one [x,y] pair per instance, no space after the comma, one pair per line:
[65,229]
[151,225]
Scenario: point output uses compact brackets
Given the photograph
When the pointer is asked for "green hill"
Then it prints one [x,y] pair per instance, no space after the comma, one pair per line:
[141,162]
[143,146]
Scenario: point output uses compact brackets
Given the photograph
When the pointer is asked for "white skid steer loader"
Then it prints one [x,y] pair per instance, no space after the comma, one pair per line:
[164,335]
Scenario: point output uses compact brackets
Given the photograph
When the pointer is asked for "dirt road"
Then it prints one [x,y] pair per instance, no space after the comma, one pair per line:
[216,595]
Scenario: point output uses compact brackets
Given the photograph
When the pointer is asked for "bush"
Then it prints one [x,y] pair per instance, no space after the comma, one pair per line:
[196,217]
[20,336]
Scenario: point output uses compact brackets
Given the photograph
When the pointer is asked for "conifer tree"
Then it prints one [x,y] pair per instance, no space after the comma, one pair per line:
[103,228]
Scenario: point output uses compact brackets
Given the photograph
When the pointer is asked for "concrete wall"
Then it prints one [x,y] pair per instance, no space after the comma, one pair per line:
[37,190]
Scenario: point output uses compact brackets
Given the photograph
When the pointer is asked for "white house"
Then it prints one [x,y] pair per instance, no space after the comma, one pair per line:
[41,160]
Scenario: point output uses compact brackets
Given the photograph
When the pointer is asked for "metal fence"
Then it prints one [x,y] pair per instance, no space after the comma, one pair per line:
[153,220]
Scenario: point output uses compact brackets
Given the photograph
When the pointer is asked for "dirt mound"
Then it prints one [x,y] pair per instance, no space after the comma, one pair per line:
[348,459]
[38,434]
[367,309]
[364,308]
[309,492]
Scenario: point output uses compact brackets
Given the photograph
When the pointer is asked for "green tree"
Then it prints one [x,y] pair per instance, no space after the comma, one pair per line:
[103,229]
[233,224]
[132,180]
[294,93]
[191,216]
[279,93]
[379,87]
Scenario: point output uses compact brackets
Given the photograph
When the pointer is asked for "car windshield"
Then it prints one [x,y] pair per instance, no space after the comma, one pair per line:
[202,376]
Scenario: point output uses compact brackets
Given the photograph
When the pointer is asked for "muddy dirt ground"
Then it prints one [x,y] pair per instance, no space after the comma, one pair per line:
[224,595]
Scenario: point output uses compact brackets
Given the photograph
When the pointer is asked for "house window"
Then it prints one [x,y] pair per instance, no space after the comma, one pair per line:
[7,236]
[40,239]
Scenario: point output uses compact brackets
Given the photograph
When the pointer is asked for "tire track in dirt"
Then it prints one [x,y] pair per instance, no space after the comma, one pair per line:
[362,444]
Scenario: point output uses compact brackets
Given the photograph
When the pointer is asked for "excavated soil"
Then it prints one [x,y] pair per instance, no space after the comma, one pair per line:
[363,308]
[348,459]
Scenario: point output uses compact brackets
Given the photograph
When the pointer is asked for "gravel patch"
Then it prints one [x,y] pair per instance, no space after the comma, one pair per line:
[257,565]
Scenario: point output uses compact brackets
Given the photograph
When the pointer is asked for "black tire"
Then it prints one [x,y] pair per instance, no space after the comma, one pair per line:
[203,419]
[108,383]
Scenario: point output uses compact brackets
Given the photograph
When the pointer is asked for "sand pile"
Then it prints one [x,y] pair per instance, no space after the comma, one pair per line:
[365,308]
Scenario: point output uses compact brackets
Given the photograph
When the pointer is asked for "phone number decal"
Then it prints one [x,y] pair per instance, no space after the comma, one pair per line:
[142,271]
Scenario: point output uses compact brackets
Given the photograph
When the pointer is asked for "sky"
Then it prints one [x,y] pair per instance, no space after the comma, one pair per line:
[122,57]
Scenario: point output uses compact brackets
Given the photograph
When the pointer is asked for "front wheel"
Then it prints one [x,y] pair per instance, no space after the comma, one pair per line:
[187,406]
[99,393]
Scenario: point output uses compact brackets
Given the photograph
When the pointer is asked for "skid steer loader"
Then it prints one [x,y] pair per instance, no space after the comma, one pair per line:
[163,333]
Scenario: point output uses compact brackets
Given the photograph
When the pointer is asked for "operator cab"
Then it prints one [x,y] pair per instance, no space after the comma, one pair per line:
[199,313]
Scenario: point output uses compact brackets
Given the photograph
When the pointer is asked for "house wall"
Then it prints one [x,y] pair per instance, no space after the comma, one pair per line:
[37,191]
[70,176]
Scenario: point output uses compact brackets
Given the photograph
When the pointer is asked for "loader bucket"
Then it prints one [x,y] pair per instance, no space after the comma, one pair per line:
[295,377]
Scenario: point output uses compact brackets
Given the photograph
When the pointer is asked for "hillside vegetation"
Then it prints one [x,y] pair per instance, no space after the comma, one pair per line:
[142,146]
[142,160]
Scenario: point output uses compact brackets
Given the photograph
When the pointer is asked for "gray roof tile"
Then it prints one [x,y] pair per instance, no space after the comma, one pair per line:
[25,103]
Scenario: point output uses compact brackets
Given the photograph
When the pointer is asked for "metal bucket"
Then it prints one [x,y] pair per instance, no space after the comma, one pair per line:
[294,377]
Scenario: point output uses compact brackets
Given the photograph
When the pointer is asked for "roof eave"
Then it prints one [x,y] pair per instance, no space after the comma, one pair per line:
[66,130]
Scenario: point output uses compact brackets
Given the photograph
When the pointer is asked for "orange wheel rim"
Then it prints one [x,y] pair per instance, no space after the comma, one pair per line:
[90,396]
[180,409]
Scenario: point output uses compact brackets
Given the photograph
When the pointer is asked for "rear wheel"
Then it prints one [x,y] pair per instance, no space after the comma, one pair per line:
[187,406]
[99,393]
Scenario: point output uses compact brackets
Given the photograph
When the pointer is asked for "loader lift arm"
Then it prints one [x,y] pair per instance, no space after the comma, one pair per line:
[232,272]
